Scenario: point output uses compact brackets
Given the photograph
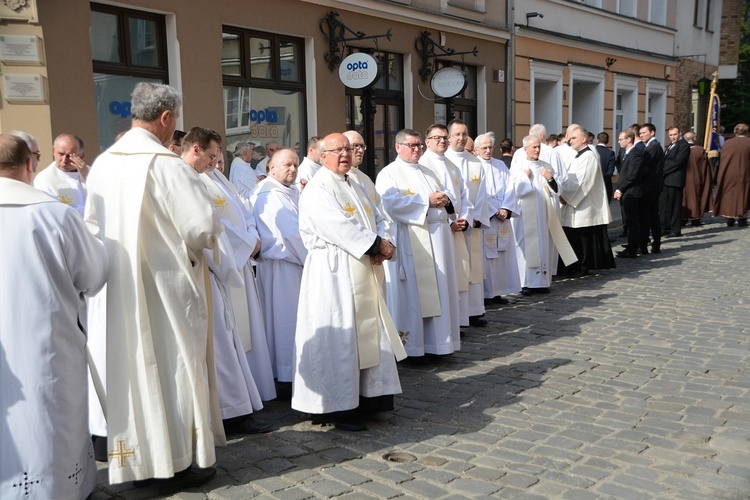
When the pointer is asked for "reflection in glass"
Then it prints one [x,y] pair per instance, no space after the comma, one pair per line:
[290,62]
[262,115]
[260,58]
[230,54]
[105,37]
[143,42]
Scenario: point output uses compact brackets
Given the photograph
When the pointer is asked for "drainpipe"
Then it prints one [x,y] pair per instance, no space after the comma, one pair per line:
[510,72]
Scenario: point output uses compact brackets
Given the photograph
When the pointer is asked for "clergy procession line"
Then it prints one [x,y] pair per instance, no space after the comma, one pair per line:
[207,296]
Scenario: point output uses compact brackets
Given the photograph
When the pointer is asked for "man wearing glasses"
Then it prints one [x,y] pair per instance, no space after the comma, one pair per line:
[358,156]
[471,302]
[421,285]
[65,178]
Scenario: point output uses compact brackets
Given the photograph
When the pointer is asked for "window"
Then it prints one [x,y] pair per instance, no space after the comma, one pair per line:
[127,47]
[264,91]
[698,13]
[626,7]
[593,3]
[658,12]
[388,98]
[547,95]
[709,16]
[626,103]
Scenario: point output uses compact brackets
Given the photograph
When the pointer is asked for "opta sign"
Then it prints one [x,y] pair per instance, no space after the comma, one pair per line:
[359,71]
[448,82]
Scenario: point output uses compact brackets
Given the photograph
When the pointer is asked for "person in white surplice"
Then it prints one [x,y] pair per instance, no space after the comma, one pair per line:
[282,255]
[500,265]
[65,178]
[346,345]
[421,285]
[49,259]
[310,163]
[238,393]
[471,302]
[241,173]
[535,188]
[155,217]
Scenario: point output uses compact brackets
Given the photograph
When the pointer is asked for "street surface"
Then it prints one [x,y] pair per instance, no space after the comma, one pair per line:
[630,383]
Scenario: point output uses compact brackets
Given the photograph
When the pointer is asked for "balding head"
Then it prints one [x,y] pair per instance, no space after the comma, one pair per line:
[283,166]
[15,159]
[335,154]
[358,147]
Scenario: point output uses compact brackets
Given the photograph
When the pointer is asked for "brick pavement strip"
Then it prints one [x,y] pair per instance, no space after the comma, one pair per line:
[629,383]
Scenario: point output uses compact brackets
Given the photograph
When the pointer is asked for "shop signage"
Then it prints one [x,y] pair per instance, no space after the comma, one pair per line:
[448,82]
[359,71]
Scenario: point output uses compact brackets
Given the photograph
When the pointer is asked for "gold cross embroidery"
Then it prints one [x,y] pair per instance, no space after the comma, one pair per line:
[404,337]
[349,209]
[409,192]
[475,178]
[220,202]
[368,209]
[65,200]
[121,453]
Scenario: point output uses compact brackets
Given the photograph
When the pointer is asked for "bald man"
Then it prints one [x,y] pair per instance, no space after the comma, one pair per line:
[65,178]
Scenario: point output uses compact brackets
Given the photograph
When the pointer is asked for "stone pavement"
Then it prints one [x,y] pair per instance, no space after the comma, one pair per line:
[631,383]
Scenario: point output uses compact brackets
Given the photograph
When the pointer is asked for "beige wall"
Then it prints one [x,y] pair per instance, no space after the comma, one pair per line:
[65,30]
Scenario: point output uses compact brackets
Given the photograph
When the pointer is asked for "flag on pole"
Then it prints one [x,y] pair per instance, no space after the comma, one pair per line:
[711,140]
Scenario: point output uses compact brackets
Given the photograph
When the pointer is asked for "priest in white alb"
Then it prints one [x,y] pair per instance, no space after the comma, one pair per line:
[500,265]
[65,178]
[421,285]
[310,164]
[241,173]
[156,218]
[537,227]
[346,345]
[49,260]
[282,255]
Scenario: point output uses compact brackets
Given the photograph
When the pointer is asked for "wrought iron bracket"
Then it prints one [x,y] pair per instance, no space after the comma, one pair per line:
[335,33]
[427,47]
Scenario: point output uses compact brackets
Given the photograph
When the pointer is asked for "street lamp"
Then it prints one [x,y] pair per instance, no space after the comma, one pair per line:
[704,86]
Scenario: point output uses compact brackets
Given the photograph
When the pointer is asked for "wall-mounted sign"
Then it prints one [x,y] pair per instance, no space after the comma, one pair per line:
[15,49]
[448,82]
[359,71]
[25,88]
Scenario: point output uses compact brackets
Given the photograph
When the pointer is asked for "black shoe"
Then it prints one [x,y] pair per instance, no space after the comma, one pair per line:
[350,425]
[499,300]
[476,321]
[416,360]
[730,222]
[624,234]
[100,448]
[183,480]
[580,274]
[696,223]
[671,235]
[541,290]
[526,291]
[642,251]
[742,222]
[247,426]
[626,254]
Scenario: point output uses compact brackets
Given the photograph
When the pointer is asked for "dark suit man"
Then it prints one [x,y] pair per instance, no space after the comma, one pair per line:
[607,159]
[653,183]
[640,146]
[675,168]
[630,191]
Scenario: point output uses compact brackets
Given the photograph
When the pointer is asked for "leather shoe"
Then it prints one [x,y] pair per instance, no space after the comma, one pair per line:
[730,222]
[626,254]
[248,426]
[642,251]
[191,477]
[696,223]
[477,321]
[526,292]
[671,235]
[655,249]
[742,222]
[350,425]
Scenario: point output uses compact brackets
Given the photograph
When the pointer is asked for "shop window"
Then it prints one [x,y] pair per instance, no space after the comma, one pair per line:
[127,47]
[264,91]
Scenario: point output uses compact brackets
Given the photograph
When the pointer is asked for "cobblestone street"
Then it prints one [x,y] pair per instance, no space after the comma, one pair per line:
[630,383]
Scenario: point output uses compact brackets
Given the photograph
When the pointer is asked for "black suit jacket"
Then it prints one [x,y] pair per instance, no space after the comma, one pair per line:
[632,170]
[653,158]
[675,163]
[607,157]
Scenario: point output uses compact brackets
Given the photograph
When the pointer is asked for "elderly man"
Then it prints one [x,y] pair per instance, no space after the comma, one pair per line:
[537,228]
[155,217]
[471,302]
[276,212]
[697,196]
[271,148]
[585,214]
[676,159]
[241,172]
[500,264]
[238,393]
[421,286]
[310,163]
[733,179]
[358,155]
[49,261]
[346,344]
[65,178]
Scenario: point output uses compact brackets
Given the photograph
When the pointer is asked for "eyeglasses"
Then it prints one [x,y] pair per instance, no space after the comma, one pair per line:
[438,138]
[37,154]
[485,148]
[338,151]
[412,145]
[359,146]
